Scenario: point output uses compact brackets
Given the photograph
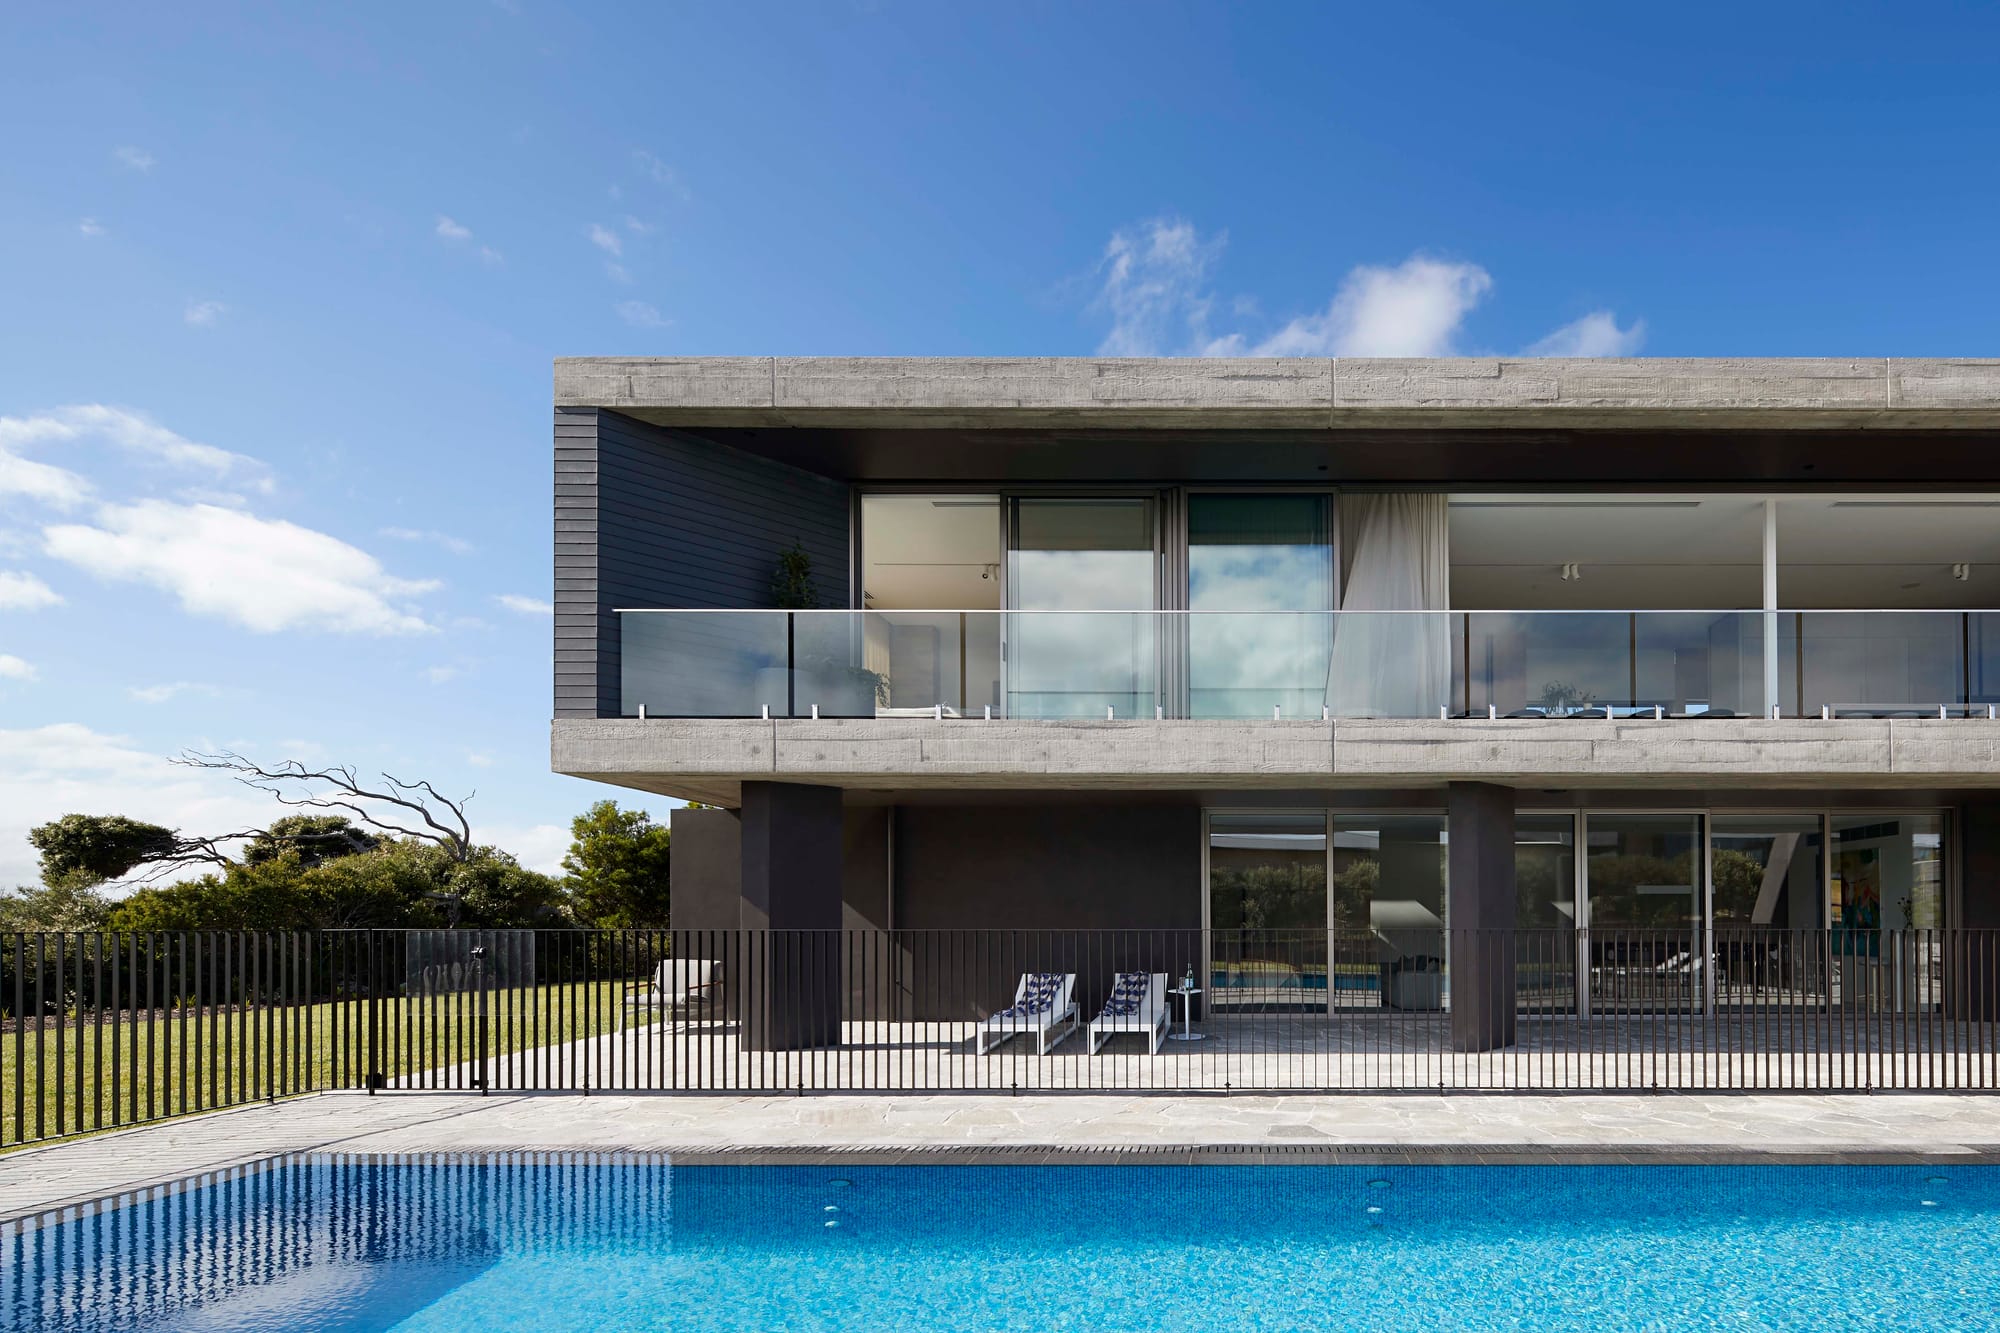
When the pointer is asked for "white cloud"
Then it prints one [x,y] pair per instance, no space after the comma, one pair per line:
[653,169]
[159,694]
[480,758]
[606,239]
[45,482]
[640,315]
[1413,309]
[1155,288]
[13,668]
[527,606]
[25,592]
[90,227]
[66,767]
[1594,334]
[617,272]
[439,675]
[132,431]
[1154,282]
[453,232]
[637,227]
[456,545]
[136,158]
[203,314]
[263,574]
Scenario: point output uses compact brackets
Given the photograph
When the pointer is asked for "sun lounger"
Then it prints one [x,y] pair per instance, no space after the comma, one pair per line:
[1138,1003]
[678,986]
[1043,1004]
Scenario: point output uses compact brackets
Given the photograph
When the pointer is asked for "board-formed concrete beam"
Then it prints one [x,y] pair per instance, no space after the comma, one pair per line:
[1292,392]
[703,760]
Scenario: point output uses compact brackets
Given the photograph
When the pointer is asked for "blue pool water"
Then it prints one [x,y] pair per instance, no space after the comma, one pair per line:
[547,1245]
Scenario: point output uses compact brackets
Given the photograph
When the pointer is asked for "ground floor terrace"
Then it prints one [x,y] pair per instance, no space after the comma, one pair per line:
[1304,935]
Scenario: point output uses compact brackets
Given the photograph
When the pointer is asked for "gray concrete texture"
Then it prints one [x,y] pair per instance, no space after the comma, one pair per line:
[1484,392]
[706,759]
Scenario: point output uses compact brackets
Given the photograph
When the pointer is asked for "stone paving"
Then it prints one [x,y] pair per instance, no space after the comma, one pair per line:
[63,1174]
[1774,1049]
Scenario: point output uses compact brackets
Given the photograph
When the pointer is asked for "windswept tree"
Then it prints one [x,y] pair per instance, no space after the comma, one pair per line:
[385,804]
[96,848]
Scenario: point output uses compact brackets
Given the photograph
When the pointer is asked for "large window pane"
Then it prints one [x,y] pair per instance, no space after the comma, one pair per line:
[1888,871]
[1267,909]
[1769,901]
[1267,562]
[1545,914]
[1888,898]
[1643,877]
[1090,560]
[930,569]
[1388,891]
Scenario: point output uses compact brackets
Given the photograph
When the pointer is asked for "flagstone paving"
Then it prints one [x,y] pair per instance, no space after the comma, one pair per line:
[62,1174]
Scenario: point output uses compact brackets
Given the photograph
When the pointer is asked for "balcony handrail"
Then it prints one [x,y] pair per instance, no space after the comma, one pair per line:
[1338,611]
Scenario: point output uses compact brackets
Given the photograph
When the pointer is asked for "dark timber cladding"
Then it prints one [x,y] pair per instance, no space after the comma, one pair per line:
[651,517]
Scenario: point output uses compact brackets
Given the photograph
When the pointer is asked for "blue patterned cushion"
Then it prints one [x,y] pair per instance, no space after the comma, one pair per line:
[1128,994]
[1037,996]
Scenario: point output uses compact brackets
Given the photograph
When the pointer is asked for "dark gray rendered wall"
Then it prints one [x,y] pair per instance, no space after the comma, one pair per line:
[646,516]
[1089,889]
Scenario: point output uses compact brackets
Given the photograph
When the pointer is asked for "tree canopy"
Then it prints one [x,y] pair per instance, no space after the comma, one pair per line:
[323,871]
[617,867]
[99,847]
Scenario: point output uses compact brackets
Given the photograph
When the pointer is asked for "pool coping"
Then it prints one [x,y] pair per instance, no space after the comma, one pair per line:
[1407,1155]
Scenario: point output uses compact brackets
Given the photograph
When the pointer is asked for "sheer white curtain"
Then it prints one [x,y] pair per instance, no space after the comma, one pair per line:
[1393,665]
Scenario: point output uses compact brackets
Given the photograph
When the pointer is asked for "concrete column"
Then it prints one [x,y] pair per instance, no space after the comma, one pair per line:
[1972,959]
[1480,822]
[789,996]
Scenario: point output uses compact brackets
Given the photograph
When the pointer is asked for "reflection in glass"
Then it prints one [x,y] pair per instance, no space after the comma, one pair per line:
[704,663]
[1388,891]
[923,559]
[1267,909]
[1545,914]
[1877,664]
[1768,897]
[1594,663]
[1080,555]
[1888,875]
[1259,557]
[1643,877]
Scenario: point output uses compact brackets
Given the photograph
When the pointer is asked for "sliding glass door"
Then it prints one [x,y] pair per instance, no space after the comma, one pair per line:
[1267,910]
[1643,883]
[1260,585]
[1082,572]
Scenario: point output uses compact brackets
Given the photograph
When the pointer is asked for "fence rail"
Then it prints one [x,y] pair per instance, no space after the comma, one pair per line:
[102,1031]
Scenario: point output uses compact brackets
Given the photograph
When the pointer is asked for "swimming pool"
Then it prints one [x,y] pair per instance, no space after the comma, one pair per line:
[551,1243]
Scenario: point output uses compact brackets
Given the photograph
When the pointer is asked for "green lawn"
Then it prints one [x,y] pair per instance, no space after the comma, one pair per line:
[179,1064]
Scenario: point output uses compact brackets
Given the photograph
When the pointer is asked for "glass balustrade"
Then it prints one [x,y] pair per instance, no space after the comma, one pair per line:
[1309,664]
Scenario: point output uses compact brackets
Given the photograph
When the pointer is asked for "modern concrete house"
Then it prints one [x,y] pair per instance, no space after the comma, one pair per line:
[1324,663]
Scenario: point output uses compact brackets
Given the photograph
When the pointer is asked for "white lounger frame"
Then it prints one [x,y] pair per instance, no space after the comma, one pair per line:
[1059,1018]
[1155,1016]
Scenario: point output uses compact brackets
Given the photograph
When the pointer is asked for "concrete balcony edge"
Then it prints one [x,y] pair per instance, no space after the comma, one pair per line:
[706,759]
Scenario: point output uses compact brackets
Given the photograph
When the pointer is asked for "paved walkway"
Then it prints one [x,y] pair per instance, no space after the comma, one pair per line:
[82,1170]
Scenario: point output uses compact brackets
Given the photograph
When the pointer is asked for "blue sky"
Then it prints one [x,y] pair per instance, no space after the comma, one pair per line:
[279,288]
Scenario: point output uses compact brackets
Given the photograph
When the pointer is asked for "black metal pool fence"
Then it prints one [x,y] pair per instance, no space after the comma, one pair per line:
[101,1031]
